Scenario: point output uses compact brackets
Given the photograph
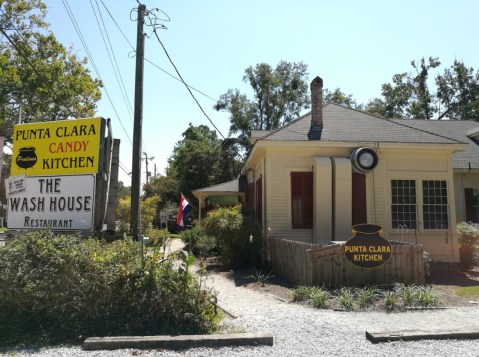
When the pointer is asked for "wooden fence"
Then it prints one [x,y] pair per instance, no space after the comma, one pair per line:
[311,264]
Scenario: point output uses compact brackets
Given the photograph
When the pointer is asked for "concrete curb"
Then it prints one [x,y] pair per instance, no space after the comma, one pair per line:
[177,342]
[414,335]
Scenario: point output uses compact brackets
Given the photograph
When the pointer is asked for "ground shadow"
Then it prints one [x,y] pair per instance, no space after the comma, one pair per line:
[457,278]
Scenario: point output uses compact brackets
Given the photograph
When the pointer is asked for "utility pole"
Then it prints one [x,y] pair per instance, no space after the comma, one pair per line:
[146,160]
[137,126]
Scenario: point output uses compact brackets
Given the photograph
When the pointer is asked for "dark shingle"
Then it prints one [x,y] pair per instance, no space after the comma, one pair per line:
[349,125]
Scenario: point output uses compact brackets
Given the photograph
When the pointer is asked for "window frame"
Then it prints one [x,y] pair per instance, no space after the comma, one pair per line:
[422,203]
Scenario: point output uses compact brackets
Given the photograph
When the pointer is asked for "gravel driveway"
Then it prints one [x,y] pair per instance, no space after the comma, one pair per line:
[304,331]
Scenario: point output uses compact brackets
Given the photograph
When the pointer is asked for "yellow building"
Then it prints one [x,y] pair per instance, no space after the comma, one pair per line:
[314,178]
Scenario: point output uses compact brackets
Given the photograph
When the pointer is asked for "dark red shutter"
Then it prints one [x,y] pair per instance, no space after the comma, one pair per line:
[469,200]
[259,199]
[302,199]
[359,214]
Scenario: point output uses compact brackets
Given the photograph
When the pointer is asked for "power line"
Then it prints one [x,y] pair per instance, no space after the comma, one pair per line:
[150,62]
[186,85]
[78,31]
[114,63]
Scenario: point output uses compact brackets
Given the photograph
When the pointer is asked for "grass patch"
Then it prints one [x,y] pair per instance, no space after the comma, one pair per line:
[467,291]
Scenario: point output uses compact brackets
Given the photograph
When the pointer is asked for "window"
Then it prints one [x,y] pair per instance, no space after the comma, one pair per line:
[407,206]
[435,207]
[471,197]
[404,206]
[302,200]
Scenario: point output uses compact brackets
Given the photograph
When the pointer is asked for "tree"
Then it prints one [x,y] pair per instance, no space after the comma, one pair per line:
[279,97]
[148,212]
[165,187]
[38,73]
[458,92]
[340,98]
[201,159]
[123,191]
[409,96]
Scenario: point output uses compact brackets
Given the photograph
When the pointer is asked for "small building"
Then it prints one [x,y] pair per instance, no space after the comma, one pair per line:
[316,177]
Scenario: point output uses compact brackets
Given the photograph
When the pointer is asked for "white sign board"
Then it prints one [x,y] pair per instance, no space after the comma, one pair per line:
[63,203]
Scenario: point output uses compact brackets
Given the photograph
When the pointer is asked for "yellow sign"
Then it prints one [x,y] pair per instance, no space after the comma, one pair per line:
[63,147]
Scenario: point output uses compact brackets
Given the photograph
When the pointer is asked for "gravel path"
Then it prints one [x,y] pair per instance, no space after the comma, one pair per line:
[304,331]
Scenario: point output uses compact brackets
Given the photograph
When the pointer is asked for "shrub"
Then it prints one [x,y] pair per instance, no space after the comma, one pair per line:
[366,296]
[426,297]
[199,243]
[259,277]
[319,298]
[390,301]
[346,298]
[301,293]
[59,288]
[232,231]
[407,293]
[468,249]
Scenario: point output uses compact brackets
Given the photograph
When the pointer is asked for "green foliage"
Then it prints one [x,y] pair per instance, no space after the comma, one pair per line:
[301,293]
[37,72]
[199,160]
[259,277]
[346,298]
[148,213]
[279,96]
[157,236]
[426,297]
[232,231]
[398,298]
[468,244]
[340,98]
[390,301]
[319,298]
[468,291]
[198,242]
[409,96]
[59,288]
[165,187]
[407,293]
[366,296]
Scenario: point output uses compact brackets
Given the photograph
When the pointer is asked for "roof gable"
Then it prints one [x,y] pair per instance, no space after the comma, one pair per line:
[459,130]
[350,125]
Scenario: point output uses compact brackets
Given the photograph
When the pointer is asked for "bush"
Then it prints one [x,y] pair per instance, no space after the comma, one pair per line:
[468,248]
[59,288]
[199,243]
[232,231]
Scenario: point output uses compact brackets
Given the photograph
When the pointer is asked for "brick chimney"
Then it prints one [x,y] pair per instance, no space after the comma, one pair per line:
[316,109]
[317,102]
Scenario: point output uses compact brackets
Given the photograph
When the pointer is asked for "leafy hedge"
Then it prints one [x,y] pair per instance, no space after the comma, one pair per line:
[232,231]
[468,244]
[60,288]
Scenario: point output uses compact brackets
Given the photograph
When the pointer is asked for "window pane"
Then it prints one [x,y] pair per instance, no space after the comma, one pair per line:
[403,209]
[435,207]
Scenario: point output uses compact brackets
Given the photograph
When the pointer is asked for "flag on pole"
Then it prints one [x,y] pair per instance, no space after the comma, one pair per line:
[183,210]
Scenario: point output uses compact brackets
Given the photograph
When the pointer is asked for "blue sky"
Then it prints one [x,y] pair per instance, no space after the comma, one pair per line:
[353,45]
